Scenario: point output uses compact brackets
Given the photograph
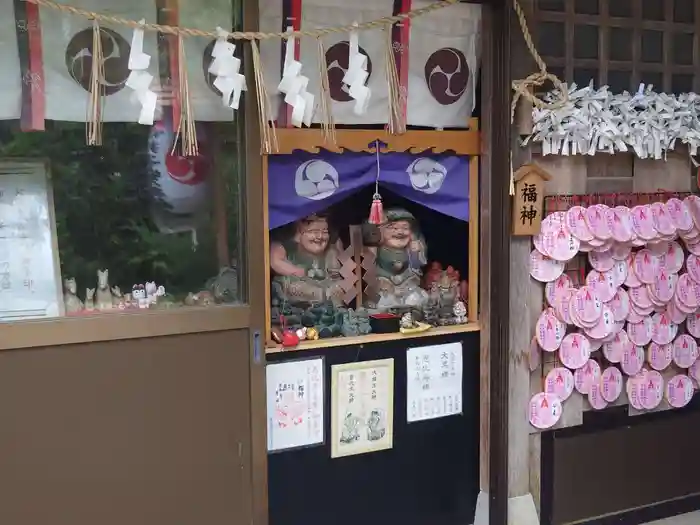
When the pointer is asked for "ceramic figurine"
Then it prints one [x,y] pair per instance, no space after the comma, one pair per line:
[224,287]
[153,292]
[306,266]
[407,321]
[103,294]
[89,299]
[301,333]
[436,274]
[460,311]
[138,293]
[289,338]
[401,254]
[71,301]
[312,334]
[117,298]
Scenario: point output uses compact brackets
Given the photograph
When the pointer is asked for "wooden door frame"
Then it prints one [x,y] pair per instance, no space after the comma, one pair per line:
[254,242]
[495,249]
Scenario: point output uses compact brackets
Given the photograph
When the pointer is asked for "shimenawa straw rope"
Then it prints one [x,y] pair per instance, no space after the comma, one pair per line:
[240,35]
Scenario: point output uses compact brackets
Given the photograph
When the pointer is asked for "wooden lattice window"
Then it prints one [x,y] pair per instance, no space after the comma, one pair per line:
[622,43]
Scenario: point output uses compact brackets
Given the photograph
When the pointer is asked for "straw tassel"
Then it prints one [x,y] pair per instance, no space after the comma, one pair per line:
[186,129]
[325,104]
[397,122]
[93,127]
[268,135]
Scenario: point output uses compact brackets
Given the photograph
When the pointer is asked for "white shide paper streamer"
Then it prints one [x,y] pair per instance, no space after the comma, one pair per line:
[293,85]
[225,67]
[140,79]
[355,77]
[647,123]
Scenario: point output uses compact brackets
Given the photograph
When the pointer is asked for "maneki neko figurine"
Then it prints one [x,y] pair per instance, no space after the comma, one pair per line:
[401,255]
[306,266]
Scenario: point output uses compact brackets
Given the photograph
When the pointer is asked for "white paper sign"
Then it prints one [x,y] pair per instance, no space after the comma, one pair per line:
[433,382]
[30,282]
[362,409]
[294,404]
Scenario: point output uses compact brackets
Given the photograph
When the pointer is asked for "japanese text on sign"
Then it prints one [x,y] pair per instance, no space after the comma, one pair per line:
[362,407]
[434,381]
[295,404]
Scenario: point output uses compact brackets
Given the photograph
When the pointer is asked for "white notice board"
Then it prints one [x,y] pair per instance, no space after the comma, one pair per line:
[30,274]
[433,381]
[294,404]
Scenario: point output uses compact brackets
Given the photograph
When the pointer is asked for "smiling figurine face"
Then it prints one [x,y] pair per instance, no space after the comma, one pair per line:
[313,235]
[397,234]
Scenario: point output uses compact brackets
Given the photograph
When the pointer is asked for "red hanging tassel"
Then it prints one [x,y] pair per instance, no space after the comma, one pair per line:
[376,212]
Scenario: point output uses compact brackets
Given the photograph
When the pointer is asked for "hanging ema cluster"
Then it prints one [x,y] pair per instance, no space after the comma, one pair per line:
[592,120]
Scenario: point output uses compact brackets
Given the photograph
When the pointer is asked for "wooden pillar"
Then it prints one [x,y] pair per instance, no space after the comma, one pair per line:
[492,504]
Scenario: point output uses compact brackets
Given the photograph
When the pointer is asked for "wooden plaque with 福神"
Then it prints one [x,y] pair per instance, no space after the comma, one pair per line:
[528,203]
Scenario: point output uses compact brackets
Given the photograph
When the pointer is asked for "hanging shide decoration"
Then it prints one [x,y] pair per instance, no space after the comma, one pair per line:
[268,135]
[186,130]
[140,79]
[356,76]
[293,85]
[325,104]
[225,67]
[397,120]
[231,83]
[93,127]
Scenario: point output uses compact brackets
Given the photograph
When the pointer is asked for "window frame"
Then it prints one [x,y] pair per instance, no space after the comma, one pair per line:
[637,24]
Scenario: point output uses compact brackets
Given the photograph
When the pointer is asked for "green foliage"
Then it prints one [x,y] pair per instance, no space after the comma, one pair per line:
[103,199]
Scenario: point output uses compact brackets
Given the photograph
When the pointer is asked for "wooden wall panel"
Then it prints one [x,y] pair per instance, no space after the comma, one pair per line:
[143,432]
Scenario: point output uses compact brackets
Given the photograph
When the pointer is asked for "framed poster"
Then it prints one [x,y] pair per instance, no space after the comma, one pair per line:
[362,407]
[30,272]
[433,381]
[294,404]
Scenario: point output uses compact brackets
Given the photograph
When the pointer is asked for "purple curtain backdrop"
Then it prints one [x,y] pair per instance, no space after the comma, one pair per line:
[304,183]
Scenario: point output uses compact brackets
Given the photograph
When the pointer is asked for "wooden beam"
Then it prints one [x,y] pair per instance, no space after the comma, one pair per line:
[499,313]
[462,142]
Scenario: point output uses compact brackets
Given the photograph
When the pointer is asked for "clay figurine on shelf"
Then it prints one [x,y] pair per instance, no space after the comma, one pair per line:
[306,266]
[410,326]
[118,300]
[89,299]
[203,298]
[224,287]
[401,255]
[153,292]
[138,295]
[103,300]
[436,274]
[71,301]
[460,311]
